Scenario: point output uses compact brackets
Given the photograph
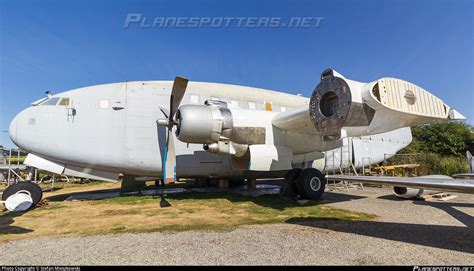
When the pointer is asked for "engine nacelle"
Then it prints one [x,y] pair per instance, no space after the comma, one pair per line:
[407,193]
[334,105]
[212,125]
[203,124]
[370,108]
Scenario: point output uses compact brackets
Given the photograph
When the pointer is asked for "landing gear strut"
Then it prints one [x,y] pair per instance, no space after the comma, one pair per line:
[289,189]
[309,183]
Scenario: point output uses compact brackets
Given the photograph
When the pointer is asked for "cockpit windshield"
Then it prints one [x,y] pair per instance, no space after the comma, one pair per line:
[56,101]
[50,101]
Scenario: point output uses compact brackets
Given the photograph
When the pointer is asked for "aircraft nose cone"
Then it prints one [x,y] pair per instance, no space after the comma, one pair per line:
[12,130]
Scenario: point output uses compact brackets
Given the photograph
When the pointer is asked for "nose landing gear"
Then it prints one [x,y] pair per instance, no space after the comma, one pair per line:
[22,196]
[308,183]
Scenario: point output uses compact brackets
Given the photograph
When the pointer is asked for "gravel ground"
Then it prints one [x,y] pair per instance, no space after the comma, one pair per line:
[407,232]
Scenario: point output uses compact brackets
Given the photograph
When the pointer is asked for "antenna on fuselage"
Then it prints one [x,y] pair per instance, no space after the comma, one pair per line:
[49,93]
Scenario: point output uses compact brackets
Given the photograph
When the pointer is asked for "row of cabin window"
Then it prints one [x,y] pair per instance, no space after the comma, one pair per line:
[195,99]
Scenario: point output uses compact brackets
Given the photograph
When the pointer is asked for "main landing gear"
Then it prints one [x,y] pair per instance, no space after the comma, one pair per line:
[308,183]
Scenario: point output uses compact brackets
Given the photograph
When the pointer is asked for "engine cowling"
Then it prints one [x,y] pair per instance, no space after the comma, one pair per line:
[212,125]
[407,193]
[204,124]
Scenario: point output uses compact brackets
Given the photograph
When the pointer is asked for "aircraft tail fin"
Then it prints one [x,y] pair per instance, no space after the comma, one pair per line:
[470,162]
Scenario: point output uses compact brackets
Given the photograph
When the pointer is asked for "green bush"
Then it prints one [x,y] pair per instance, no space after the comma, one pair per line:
[432,163]
[452,165]
[447,139]
[439,148]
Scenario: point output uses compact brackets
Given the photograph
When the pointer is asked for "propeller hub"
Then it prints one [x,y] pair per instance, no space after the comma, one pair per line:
[163,122]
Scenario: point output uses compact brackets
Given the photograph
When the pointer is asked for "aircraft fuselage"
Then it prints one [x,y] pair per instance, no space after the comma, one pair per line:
[112,128]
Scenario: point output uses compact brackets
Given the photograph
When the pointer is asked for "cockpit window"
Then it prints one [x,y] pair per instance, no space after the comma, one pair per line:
[52,101]
[38,102]
[64,101]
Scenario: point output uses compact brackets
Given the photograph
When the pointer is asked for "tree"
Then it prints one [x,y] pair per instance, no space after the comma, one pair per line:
[441,148]
[445,139]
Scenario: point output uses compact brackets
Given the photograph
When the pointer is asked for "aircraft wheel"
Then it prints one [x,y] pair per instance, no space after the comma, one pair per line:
[32,189]
[311,184]
[289,186]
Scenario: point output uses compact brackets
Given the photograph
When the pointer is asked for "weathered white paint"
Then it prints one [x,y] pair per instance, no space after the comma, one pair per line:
[124,138]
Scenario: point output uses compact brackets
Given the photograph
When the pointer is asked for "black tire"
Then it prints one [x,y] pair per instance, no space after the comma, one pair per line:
[311,184]
[34,189]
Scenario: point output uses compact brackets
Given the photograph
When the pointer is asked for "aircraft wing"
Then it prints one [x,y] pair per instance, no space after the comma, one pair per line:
[436,182]
[297,119]
[338,108]
[464,175]
[342,107]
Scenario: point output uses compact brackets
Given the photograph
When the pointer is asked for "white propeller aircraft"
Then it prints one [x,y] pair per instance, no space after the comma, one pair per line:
[171,130]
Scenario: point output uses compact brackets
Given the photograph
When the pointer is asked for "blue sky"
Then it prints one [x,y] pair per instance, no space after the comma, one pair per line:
[62,45]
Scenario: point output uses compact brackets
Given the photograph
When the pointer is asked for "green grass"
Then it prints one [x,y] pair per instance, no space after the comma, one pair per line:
[63,185]
[262,210]
[220,211]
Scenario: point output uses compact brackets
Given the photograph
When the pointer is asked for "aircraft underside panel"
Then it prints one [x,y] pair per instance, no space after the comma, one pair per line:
[89,173]
[43,164]
[69,170]
[203,164]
